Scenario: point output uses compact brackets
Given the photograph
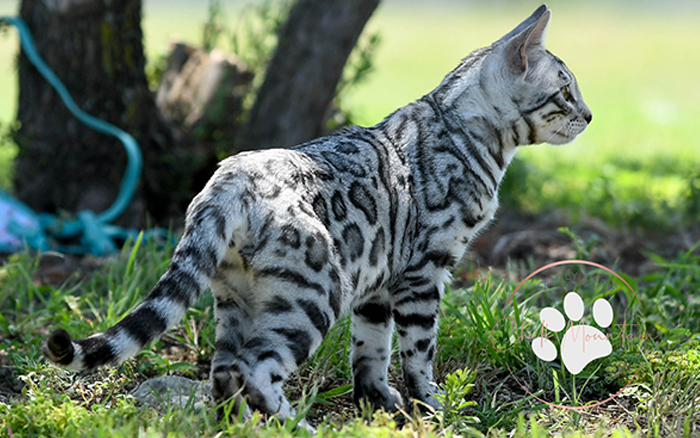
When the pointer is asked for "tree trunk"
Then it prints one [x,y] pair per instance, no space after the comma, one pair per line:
[301,79]
[95,48]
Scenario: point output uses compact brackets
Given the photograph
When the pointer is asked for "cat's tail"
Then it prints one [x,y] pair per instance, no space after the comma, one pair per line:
[209,226]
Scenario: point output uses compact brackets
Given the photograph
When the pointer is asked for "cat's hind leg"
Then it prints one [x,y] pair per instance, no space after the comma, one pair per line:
[290,323]
[232,316]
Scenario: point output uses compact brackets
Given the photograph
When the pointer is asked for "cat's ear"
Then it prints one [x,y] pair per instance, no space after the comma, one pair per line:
[525,44]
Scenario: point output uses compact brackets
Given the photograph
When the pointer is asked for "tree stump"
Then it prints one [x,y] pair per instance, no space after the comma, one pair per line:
[201,93]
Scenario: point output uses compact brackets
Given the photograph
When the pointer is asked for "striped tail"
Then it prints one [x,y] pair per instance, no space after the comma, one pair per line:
[196,258]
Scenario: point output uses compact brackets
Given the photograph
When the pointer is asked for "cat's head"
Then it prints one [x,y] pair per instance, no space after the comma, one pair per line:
[529,86]
[541,87]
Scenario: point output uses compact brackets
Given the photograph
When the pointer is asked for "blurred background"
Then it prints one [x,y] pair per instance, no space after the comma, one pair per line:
[637,167]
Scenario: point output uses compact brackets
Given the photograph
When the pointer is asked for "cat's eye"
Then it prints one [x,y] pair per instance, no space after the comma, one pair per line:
[566,93]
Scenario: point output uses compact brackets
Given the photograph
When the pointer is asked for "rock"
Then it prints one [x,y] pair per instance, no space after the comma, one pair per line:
[10,385]
[173,391]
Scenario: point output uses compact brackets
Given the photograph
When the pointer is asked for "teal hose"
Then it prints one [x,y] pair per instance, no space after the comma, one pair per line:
[95,234]
[134,160]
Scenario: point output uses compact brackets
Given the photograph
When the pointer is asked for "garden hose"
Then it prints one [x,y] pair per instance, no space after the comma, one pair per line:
[95,233]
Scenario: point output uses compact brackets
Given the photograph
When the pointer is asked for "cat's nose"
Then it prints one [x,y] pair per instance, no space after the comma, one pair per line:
[588,116]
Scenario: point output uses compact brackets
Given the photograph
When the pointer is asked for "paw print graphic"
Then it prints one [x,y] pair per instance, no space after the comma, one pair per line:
[581,343]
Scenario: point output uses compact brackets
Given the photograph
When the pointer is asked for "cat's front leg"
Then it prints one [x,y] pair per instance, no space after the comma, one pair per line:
[415,307]
[372,327]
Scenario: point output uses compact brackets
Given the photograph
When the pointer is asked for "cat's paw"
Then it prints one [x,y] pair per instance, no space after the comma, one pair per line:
[430,402]
[379,396]
[227,383]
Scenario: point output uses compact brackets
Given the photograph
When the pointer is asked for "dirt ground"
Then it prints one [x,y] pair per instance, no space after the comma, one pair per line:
[517,239]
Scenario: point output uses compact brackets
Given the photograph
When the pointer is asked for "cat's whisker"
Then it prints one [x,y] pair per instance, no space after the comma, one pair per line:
[555,133]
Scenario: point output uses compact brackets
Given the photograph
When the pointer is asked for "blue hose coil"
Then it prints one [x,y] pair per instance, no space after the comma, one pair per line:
[95,234]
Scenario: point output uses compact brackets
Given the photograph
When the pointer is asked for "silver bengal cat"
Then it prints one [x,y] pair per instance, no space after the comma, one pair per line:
[368,221]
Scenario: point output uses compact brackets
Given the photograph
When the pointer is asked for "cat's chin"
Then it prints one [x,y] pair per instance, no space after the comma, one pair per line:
[564,143]
[559,140]
[552,142]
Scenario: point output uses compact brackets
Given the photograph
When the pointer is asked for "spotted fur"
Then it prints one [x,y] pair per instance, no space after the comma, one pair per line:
[368,221]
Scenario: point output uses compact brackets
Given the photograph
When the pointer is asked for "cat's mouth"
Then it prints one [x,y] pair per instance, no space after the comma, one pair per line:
[577,126]
[568,131]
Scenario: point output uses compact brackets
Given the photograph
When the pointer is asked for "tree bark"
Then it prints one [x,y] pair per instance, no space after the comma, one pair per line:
[300,82]
[95,48]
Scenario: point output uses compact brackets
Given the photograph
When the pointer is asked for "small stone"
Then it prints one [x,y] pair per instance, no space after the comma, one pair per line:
[173,391]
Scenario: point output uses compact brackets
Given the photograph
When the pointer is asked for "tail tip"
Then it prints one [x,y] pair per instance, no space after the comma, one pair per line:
[59,347]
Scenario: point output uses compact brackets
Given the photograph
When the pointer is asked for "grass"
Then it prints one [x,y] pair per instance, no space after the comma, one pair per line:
[483,359]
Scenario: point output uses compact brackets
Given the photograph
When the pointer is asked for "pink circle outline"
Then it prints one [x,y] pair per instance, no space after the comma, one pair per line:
[572,262]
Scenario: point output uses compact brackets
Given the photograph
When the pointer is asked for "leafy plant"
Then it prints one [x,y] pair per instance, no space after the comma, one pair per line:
[451,395]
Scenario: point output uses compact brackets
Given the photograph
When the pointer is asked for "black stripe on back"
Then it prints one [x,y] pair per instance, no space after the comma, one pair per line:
[363,200]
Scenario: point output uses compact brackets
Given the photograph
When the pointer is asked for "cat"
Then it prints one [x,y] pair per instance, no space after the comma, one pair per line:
[368,221]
